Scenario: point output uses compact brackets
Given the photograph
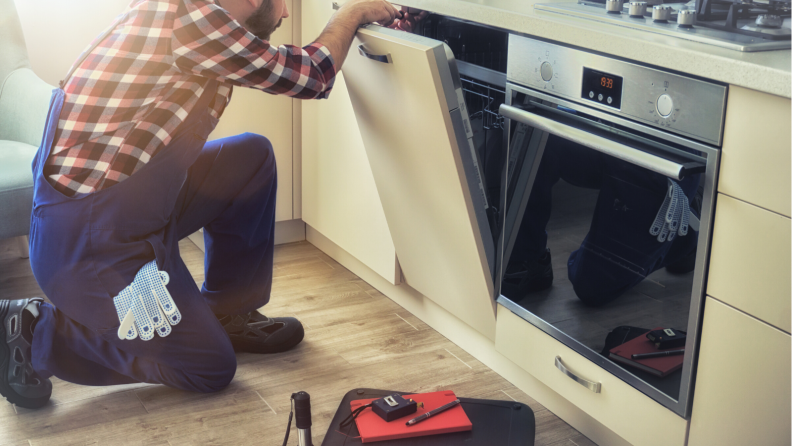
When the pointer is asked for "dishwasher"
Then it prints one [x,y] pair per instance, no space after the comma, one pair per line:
[486,145]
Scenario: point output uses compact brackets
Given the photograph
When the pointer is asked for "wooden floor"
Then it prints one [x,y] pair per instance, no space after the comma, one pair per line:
[355,337]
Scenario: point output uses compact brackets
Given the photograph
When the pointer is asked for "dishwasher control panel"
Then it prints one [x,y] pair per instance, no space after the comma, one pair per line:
[665,100]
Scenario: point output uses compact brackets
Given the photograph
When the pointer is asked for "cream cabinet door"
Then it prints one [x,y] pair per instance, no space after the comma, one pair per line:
[339,197]
[750,261]
[757,150]
[407,99]
[742,383]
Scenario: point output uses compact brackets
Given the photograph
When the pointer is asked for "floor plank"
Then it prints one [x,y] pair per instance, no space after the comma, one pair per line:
[355,338]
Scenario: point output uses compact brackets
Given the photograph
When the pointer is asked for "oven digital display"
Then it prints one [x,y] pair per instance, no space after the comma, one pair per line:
[602,87]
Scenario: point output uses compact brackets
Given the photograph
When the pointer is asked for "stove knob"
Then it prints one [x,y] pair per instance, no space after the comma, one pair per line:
[665,105]
[614,6]
[686,18]
[637,9]
[661,13]
[547,71]
[769,21]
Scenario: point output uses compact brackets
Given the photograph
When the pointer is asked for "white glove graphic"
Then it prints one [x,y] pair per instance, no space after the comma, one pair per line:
[145,306]
[674,215]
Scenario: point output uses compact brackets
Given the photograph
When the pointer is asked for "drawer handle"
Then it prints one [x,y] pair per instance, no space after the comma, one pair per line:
[591,385]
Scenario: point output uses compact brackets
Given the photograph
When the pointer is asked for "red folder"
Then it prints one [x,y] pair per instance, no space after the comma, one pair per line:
[373,428]
[661,367]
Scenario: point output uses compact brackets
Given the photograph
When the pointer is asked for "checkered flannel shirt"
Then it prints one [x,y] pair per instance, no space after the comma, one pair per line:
[127,98]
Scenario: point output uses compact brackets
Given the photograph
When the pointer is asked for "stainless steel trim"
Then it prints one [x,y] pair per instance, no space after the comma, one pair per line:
[649,130]
[596,142]
[699,106]
[385,58]
[591,385]
[482,74]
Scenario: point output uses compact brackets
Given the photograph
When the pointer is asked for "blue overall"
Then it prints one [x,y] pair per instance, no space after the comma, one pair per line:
[85,249]
[618,252]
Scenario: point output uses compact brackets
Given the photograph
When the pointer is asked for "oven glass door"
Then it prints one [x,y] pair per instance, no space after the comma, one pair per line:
[606,235]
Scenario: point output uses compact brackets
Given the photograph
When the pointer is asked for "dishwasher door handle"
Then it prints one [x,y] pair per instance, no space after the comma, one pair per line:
[607,146]
[379,58]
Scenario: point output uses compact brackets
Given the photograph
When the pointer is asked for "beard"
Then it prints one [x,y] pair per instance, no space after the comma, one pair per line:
[262,23]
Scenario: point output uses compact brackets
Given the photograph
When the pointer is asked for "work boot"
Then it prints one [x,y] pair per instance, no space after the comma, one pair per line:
[255,333]
[19,383]
[523,278]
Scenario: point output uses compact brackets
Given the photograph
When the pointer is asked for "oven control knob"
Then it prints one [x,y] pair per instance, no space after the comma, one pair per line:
[665,105]
[637,9]
[661,13]
[614,6]
[686,18]
[547,71]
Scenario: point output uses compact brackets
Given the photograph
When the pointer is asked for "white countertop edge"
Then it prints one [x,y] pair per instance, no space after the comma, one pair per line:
[766,71]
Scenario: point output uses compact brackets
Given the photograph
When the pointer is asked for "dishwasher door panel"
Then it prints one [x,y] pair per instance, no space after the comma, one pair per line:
[408,102]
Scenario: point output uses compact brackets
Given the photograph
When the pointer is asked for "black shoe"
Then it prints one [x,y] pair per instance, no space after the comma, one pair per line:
[256,333]
[19,383]
[523,278]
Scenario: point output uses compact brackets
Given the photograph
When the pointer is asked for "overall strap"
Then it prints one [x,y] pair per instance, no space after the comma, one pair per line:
[85,54]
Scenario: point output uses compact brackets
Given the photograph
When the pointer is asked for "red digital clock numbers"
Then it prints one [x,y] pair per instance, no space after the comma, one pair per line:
[606,82]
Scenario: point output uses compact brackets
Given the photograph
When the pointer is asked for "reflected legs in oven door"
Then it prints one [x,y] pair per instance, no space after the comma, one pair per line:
[618,251]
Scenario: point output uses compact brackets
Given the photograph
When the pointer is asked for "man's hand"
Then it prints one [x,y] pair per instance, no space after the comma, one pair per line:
[339,32]
[369,11]
[408,20]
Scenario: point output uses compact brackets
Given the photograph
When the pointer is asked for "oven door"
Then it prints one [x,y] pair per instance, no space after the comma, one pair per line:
[408,101]
[586,249]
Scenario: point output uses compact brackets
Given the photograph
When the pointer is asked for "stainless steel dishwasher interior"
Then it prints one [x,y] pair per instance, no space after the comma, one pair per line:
[481,55]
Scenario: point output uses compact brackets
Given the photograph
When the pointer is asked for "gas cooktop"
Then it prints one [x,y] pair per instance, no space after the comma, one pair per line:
[737,25]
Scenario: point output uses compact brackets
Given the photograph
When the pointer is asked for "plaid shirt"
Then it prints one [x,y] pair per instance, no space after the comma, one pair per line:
[125,101]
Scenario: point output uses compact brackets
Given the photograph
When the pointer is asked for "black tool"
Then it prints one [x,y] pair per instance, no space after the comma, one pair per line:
[432,412]
[667,338]
[393,406]
[301,410]
[658,354]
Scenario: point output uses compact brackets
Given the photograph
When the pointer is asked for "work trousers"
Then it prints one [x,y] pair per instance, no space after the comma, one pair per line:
[230,192]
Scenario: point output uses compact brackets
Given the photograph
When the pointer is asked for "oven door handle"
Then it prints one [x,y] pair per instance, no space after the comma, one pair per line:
[607,146]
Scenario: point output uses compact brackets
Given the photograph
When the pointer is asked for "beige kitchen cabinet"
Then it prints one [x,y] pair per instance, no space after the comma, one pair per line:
[339,196]
[750,261]
[755,161]
[743,381]
[269,115]
[617,405]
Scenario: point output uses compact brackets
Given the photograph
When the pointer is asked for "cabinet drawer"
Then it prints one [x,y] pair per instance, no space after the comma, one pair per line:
[623,409]
[755,162]
[742,383]
[750,261]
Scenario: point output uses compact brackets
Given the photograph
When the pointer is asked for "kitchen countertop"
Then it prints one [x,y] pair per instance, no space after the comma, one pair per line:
[766,71]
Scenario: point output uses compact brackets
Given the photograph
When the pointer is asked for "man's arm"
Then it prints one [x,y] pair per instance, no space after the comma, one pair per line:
[339,32]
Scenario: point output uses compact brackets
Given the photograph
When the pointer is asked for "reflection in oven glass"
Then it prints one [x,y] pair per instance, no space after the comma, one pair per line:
[606,250]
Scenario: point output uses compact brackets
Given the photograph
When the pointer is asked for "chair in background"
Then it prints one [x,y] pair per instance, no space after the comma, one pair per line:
[24,102]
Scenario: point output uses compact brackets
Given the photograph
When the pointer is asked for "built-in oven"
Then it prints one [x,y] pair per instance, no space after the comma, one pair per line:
[609,197]
[519,173]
